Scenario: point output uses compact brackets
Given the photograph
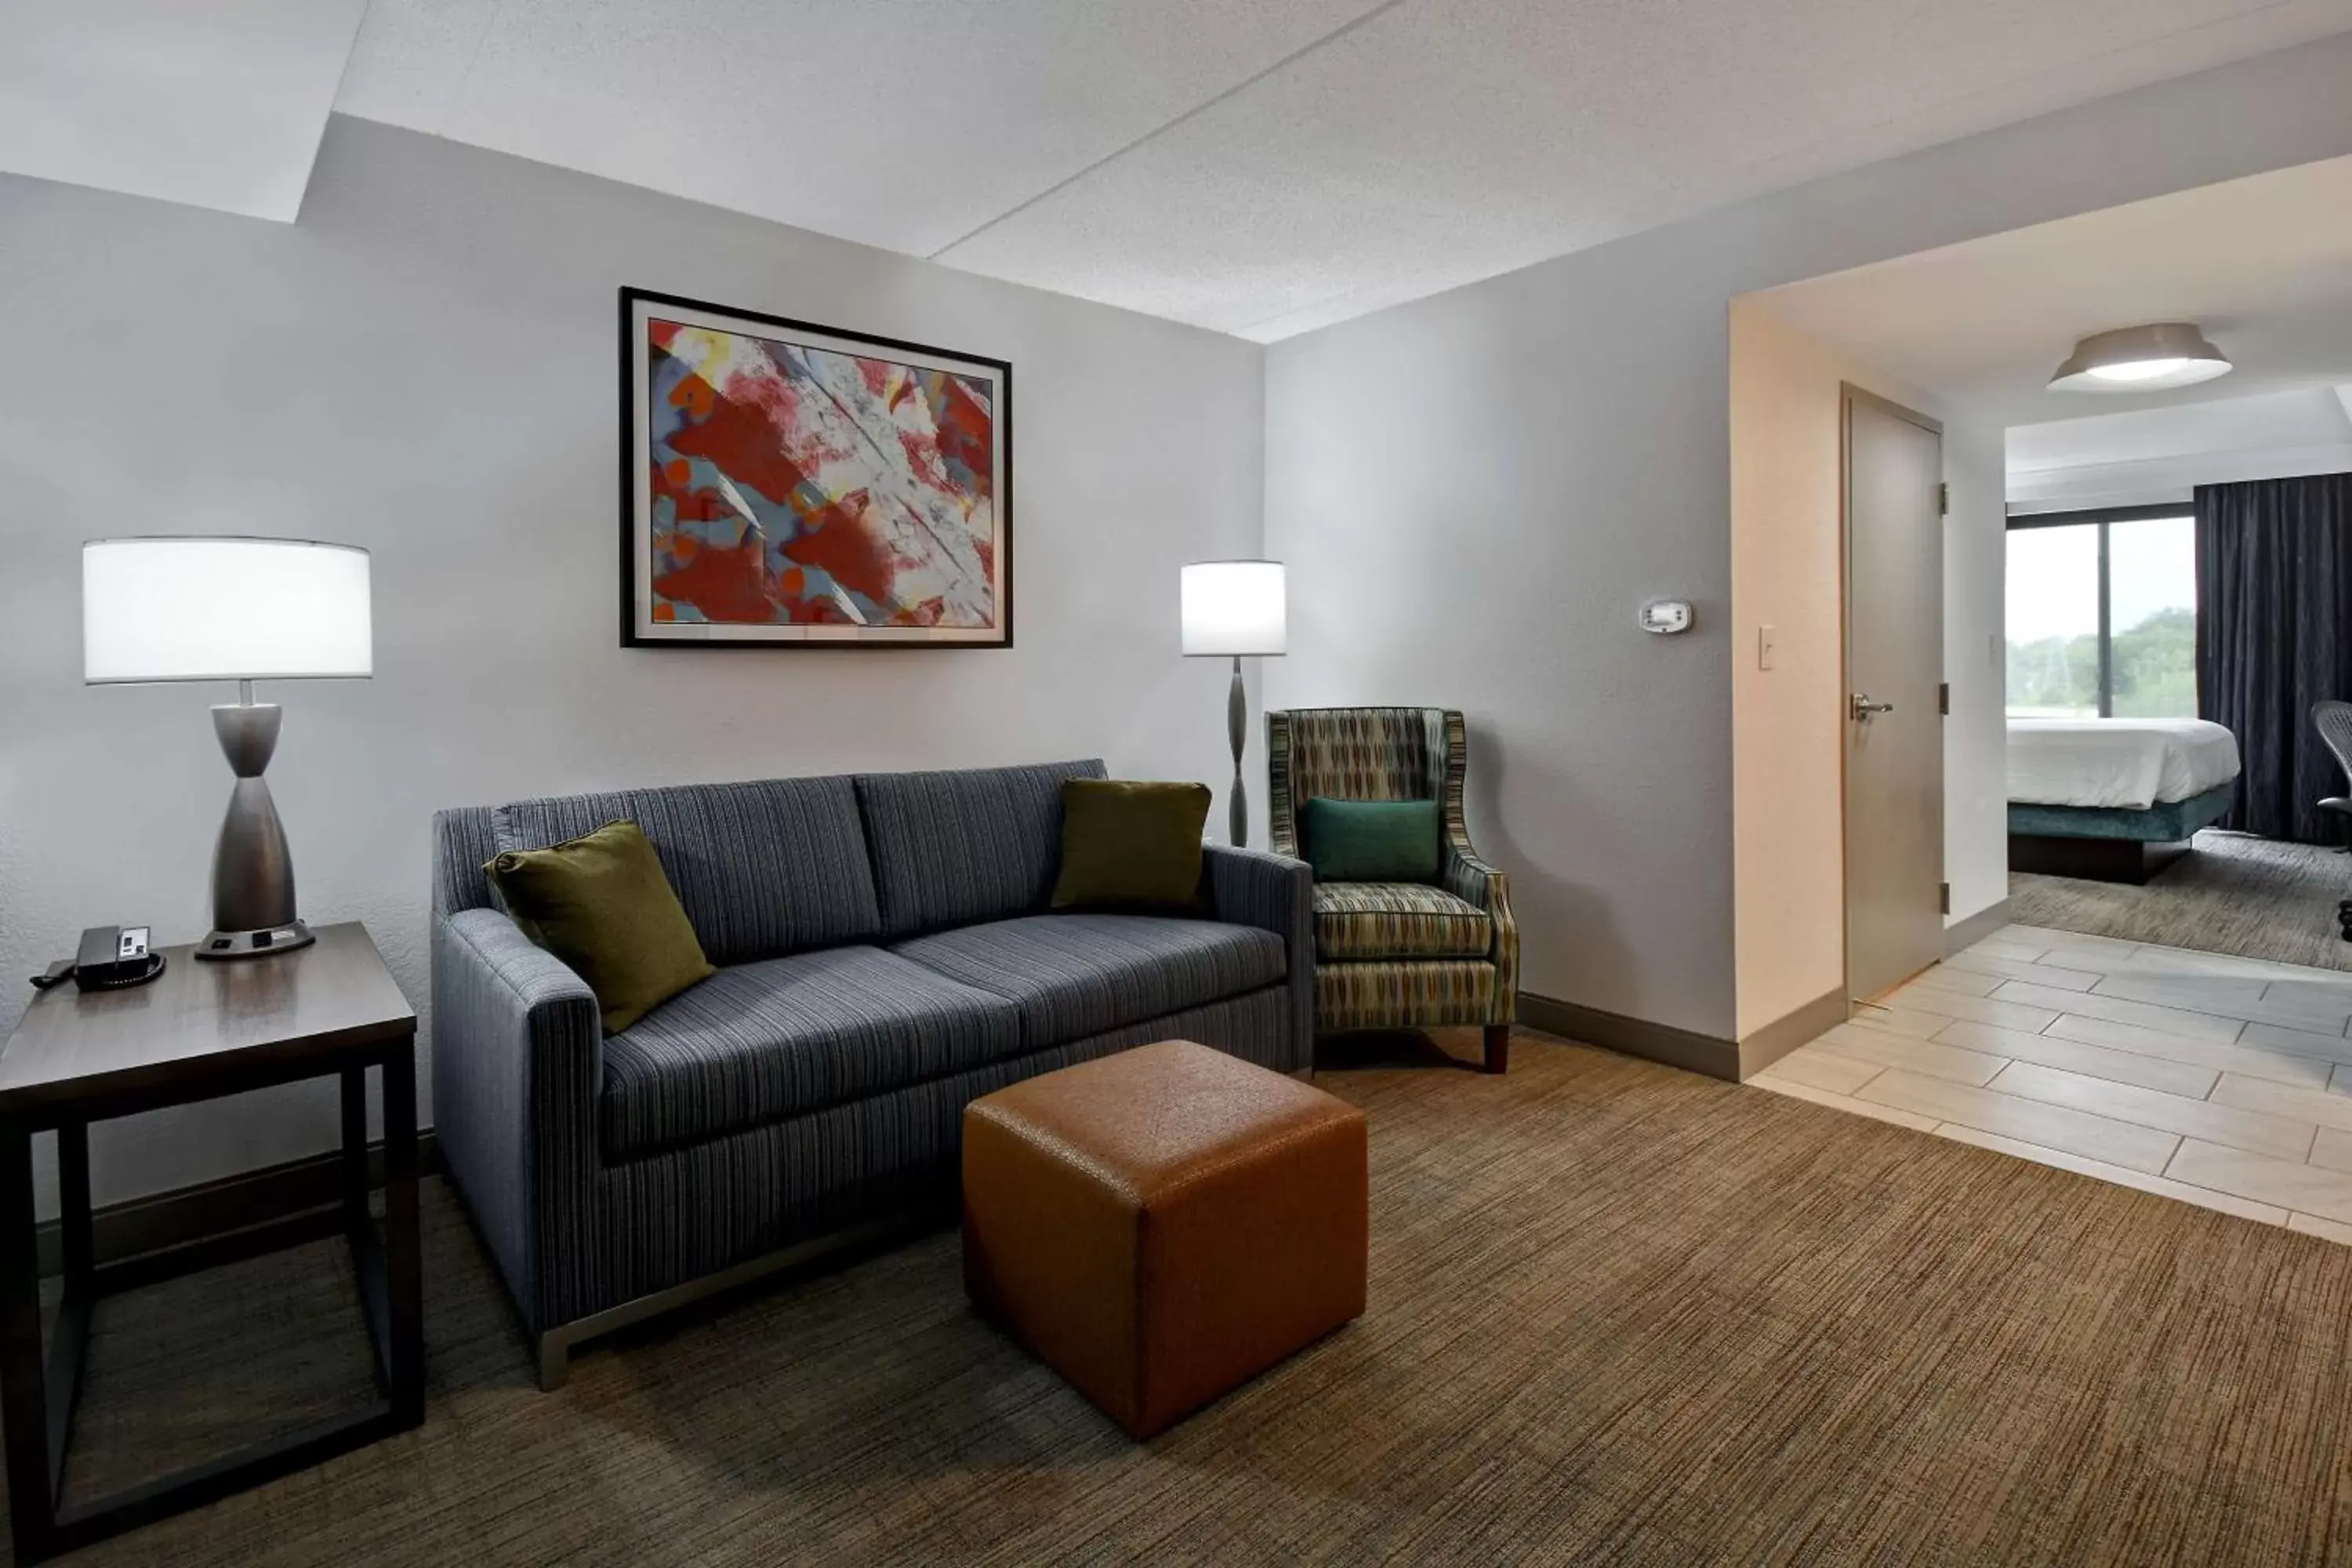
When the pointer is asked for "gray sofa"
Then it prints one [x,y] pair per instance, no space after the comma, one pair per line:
[886,955]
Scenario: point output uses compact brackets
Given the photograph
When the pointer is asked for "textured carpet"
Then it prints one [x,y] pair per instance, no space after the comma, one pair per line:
[1618,1314]
[2252,897]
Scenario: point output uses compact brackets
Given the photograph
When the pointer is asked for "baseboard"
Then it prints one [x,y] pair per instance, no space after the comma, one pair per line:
[1685,1049]
[1970,930]
[1807,1024]
[232,1203]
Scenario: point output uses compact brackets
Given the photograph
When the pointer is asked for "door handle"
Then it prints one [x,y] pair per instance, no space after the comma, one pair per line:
[1864,706]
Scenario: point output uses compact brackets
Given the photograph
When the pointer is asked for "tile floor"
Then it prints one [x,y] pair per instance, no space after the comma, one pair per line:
[2220,1081]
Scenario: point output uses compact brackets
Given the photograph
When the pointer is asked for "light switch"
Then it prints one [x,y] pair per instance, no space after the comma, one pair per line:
[1768,643]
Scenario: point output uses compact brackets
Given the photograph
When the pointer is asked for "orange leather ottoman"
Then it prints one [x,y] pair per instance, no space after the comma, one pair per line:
[1163,1225]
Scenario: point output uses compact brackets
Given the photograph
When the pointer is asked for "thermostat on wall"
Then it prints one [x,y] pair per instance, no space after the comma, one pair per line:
[1666,617]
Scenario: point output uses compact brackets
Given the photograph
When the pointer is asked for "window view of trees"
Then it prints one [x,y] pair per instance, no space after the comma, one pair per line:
[2155,672]
[2150,624]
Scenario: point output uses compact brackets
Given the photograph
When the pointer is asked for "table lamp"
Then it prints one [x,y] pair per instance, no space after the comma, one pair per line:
[1234,608]
[242,610]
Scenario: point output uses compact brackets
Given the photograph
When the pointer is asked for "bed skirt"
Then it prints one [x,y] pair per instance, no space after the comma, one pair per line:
[2110,844]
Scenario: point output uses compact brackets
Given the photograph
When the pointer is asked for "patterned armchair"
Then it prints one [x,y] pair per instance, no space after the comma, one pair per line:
[1396,956]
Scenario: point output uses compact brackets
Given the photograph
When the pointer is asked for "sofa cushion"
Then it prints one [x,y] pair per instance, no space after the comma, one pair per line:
[1079,974]
[1397,919]
[954,848]
[1133,845]
[762,868]
[600,904]
[789,1035]
[1372,840]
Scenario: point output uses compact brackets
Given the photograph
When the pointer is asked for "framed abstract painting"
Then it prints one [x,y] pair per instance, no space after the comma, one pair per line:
[786,485]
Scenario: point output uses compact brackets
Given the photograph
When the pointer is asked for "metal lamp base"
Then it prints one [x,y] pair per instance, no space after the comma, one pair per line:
[1237,731]
[255,943]
[253,873]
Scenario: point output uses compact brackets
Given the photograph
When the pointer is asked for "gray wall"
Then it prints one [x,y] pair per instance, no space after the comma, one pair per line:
[1476,492]
[426,365]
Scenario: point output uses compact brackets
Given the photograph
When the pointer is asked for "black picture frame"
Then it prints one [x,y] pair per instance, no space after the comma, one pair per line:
[637,628]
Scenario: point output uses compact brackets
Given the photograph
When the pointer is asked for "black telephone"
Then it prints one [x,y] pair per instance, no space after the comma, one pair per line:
[109,958]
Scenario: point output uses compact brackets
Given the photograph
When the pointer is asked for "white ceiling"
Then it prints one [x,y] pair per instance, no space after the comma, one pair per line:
[1256,166]
[2267,420]
[219,105]
[2264,264]
[2150,454]
[901,123]
[1259,166]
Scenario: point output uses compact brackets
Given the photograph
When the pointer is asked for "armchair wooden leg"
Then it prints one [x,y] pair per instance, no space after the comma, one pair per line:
[1498,1047]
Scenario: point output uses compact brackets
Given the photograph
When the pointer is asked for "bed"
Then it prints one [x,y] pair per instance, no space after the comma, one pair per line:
[2114,800]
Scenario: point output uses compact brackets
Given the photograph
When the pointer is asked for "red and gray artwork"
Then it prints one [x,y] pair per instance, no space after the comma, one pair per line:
[794,485]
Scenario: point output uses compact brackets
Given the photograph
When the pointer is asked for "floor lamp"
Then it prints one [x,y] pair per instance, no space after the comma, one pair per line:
[1234,609]
[242,610]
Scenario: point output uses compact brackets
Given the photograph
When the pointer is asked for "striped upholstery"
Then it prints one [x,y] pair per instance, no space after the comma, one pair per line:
[694,1210]
[950,849]
[1072,975]
[1272,892]
[1397,919]
[1392,753]
[762,868]
[515,1078]
[1404,994]
[556,1135]
[464,840]
[1353,753]
[789,1035]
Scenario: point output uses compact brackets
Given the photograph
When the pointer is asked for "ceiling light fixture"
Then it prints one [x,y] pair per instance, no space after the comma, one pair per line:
[2141,359]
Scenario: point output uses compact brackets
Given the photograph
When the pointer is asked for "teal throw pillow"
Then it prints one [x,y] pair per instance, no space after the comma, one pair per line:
[1371,840]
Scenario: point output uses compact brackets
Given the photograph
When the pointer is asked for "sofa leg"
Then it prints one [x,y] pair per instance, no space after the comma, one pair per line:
[1498,1047]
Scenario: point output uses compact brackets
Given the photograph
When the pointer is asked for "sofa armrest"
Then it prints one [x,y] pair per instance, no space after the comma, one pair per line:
[1471,880]
[1276,893]
[518,1064]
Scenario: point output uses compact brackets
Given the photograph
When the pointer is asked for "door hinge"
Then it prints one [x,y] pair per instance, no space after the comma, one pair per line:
[1944,699]
[1943,501]
[1942,897]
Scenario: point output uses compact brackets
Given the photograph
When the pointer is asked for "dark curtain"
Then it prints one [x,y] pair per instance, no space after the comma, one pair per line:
[2273,637]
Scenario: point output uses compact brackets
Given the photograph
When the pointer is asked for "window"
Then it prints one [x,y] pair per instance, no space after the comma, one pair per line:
[2103,616]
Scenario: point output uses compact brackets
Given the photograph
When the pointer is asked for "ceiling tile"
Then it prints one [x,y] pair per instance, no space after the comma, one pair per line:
[1445,140]
[219,105]
[412,58]
[901,124]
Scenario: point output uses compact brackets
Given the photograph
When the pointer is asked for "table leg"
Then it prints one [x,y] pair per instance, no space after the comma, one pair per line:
[404,1282]
[76,1249]
[77,1300]
[356,1218]
[24,1398]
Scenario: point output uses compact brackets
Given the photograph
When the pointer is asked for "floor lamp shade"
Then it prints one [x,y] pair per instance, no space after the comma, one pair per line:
[1234,609]
[242,610]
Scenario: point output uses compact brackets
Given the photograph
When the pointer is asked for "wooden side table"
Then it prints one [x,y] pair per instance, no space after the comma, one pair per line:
[202,1030]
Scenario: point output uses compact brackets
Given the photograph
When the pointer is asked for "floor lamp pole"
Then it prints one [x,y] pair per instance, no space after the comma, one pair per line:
[1237,729]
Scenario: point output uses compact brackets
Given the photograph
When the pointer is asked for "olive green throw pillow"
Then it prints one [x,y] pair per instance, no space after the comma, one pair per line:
[601,903]
[1131,845]
[1371,840]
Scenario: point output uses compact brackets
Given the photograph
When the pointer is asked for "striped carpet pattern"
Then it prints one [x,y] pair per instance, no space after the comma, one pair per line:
[2248,897]
[1618,1314]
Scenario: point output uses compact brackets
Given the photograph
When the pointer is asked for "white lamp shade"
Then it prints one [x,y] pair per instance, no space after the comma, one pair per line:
[223,609]
[1233,607]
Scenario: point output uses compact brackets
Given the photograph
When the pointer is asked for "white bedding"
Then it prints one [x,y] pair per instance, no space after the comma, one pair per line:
[2131,763]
